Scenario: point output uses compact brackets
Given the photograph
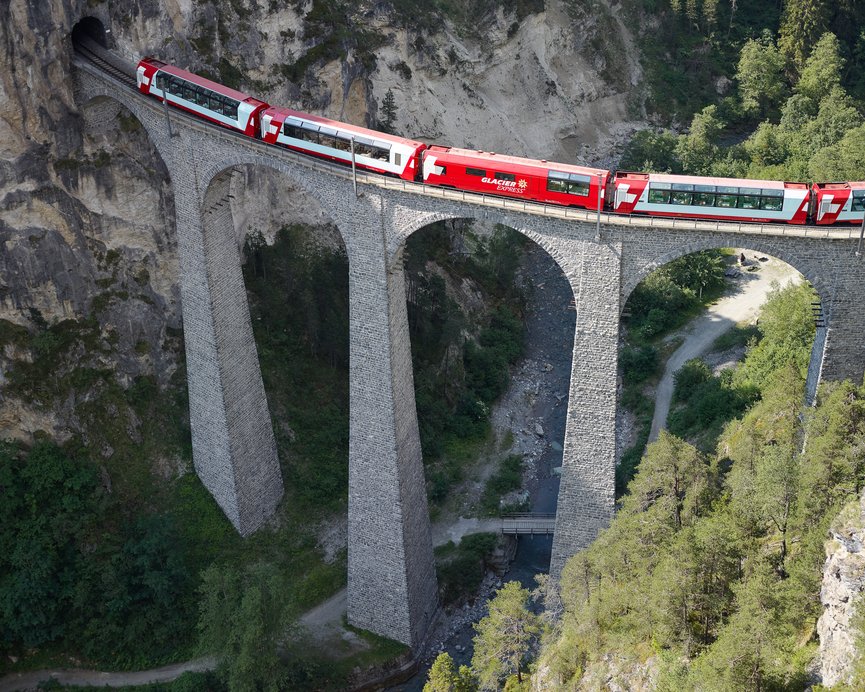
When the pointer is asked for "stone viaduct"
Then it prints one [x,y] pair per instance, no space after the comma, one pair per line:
[392,586]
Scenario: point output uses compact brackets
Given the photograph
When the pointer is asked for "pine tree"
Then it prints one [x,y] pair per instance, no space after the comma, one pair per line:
[504,637]
[388,113]
[444,676]
[803,23]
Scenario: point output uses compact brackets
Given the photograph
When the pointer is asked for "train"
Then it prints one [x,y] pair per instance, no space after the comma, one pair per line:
[541,181]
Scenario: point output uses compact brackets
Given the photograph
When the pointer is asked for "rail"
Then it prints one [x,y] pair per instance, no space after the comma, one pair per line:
[528,524]
[105,70]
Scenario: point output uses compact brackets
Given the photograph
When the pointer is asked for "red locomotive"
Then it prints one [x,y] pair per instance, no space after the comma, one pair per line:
[511,176]
[654,194]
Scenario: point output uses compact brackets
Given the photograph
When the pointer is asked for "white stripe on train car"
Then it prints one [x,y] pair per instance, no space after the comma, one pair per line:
[346,155]
[792,202]
[203,111]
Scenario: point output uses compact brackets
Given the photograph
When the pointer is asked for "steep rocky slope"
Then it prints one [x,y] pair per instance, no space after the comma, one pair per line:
[840,626]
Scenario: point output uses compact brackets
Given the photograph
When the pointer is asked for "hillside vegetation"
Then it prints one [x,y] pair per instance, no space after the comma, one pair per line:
[795,113]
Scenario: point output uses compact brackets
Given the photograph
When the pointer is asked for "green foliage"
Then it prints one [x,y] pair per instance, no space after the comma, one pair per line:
[715,563]
[804,21]
[703,403]
[638,363]
[243,619]
[787,328]
[505,637]
[444,677]
[75,571]
[652,151]
[822,71]
[457,379]
[698,150]
[388,113]
[761,75]
[671,295]
[460,568]
[508,477]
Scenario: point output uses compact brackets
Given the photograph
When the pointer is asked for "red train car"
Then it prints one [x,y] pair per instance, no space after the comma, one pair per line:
[204,98]
[726,199]
[332,140]
[515,177]
[839,202]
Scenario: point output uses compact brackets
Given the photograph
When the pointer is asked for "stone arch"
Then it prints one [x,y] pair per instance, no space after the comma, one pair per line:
[217,172]
[630,282]
[91,28]
[422,220]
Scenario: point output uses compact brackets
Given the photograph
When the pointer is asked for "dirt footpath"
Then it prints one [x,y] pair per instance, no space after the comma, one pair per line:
[746,295]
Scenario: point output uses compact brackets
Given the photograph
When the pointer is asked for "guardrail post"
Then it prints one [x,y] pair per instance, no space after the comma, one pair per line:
[861,234]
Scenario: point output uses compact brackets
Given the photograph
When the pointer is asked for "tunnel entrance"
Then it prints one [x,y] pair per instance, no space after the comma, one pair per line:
[90,28]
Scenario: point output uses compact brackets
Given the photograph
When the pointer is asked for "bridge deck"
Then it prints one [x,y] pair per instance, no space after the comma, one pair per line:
[528,524]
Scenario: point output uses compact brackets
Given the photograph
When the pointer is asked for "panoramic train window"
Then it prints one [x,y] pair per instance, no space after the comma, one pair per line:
[704,195]
[726,197]
[659,193]
[681,193]
[479,172]
[858,201]
[772,200]
[569,183]
[556,185]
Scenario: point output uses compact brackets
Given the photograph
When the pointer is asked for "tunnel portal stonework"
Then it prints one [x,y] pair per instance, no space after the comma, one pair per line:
[392,586]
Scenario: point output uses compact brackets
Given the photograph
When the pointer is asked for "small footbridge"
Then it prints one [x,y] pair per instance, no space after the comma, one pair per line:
[528,524]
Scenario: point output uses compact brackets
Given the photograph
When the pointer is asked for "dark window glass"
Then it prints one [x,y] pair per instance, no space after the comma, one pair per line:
[682,187]
[772,203]
[578,187]
[397,159]
[343,144]
[481,173]
[161,81]
[704,199]
[657,196]
[680,197]
[858,201]
[554,185]
[727,201]
[506,176]
[749,202]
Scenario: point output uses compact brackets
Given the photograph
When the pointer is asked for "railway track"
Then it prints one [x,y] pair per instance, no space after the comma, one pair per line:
[89,53]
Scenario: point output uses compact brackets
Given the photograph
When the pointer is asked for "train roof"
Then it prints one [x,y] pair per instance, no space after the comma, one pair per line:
[700,180]
[518,161]
[344,127]
[840,186]
[208,84]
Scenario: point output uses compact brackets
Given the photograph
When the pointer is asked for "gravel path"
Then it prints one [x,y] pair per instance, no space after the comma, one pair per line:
[95,678]
[748,293]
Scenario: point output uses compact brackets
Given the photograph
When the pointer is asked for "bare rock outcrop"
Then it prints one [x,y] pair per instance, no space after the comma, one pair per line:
[842,596]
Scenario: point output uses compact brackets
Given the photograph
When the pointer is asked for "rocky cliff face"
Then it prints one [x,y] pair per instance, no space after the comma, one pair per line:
[840,625]
[86,211]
